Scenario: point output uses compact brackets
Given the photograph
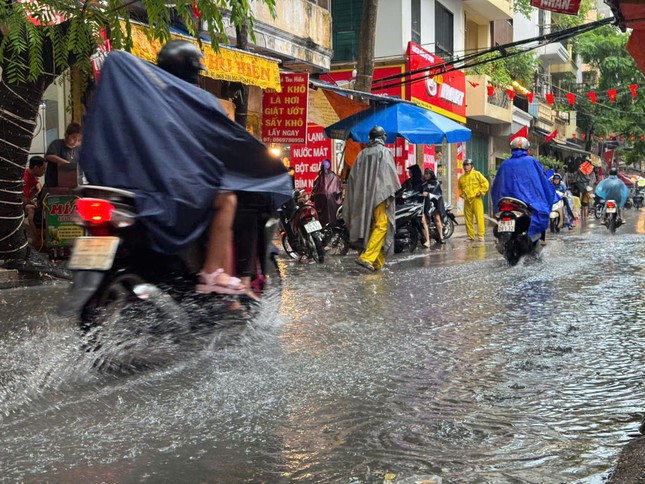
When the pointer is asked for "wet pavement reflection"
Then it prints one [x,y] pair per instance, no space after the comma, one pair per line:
[447,363]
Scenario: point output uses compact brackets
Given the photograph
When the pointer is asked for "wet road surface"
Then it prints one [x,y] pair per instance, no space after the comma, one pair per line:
[446,364]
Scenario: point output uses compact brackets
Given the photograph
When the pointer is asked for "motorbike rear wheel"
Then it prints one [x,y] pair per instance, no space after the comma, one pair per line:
[288,249]
[611,223]
[314,241]
[126,329]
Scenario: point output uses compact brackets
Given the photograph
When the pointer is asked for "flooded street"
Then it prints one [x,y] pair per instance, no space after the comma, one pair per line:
[448,363]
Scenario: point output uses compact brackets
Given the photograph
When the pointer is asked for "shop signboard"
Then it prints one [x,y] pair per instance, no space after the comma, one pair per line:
[306,158]
[403,157]
[393,87]
[60,220]
[570,7]
[444,93]
[429,159]
[284,114]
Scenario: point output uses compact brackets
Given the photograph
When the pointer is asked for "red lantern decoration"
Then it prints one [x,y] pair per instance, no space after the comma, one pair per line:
[592,97]
[549,98]
[511,94]
[632,138]
[571,98]
[633,88]
[612,136]
[602,137]
[612,95]
[530,96]
[642,137]
[583,136]
[621,137]
[491,90]
[574,136]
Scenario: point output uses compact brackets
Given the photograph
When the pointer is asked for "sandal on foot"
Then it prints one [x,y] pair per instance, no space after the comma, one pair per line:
[208,284]
[365,264]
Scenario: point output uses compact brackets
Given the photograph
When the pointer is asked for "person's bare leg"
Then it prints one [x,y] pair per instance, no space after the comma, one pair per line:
[220,238]
[439,224]
[31,228]
[426,231]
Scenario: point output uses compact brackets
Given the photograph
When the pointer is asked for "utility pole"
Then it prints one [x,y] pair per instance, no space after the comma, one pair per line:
[365,68]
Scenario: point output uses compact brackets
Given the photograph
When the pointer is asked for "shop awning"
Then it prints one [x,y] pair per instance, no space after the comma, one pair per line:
[227,64]
[563,144]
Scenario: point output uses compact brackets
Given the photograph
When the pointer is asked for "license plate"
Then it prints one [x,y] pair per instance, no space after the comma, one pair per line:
[506,226]
[313,226]
[611,209]
[93,253]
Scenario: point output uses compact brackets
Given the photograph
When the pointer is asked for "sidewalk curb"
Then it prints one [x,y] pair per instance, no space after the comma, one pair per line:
[11,279]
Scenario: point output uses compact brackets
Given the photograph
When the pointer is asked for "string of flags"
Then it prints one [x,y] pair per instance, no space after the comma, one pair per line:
[570,97]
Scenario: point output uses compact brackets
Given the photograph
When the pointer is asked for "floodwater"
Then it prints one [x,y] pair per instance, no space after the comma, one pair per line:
[447,366]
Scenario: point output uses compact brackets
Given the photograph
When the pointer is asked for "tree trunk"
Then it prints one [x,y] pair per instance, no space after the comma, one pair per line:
[242,100]
[18,111]
[365,68]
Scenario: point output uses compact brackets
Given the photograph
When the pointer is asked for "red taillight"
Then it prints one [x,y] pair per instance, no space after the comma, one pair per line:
[94,211]
[611,205]
[506,207]
[506,219]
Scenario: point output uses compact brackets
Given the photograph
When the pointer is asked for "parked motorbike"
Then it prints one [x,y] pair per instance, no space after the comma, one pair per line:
[638,199]
[448,222]
[300,229]
[123,291]
[611,218]
[511,233]
[336,236]
[409,210]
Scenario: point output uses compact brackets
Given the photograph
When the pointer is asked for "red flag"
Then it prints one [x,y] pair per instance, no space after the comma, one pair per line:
[633,88]
[529,96]
[571,98]
[592,97]
[642,137]
[511,93]
[523,132]
[574,136]
[549,98]
[612,95]
[584,136]
[491,90]
[551,136]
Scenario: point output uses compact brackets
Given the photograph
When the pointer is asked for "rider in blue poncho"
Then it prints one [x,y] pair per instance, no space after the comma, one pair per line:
[523,177]
[613,188]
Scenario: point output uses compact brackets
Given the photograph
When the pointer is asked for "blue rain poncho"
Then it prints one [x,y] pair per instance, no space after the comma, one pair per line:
[612,188]
[522,177]
[172,144]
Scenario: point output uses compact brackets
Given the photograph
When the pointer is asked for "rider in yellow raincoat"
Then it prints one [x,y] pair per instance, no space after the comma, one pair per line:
[472,187]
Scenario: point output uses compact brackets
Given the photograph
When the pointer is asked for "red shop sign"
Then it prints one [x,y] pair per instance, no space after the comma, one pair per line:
[442,93]
[570,7]
[306,158]
[396,86]
[284,114]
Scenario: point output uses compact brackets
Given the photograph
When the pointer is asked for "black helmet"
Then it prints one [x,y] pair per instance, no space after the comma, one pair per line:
[181,58]
[613,172]
[377,132]
[467,162]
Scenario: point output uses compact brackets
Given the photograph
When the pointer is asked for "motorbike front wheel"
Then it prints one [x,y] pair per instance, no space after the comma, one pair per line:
[448,228]
[338,243]
[286,245]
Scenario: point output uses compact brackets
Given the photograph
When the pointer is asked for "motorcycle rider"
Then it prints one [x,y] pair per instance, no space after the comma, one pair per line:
[613,188]
[522,177]
[435,207]
[369,204]
[415,182]
[183,169]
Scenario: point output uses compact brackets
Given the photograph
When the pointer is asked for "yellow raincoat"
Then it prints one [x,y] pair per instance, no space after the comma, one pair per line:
[472,187]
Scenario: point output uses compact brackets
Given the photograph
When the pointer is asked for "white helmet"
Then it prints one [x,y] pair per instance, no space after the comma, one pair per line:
[520,143]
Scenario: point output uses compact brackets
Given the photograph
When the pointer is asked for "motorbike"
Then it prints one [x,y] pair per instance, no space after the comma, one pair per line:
[511,233]
[611,218]
[409,211]
[448,222]
[556,217]
[336,236]
[598,208]
[638,199]
[125,292]
[301,230]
